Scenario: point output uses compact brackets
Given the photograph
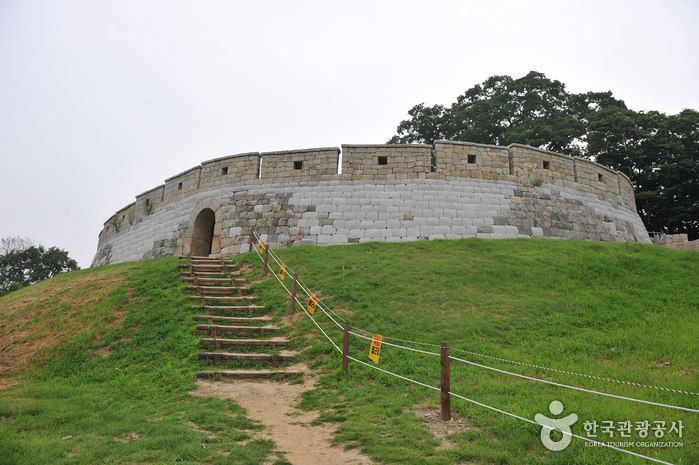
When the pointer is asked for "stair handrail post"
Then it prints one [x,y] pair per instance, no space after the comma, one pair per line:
[252,238]
[345,348]
[445,382]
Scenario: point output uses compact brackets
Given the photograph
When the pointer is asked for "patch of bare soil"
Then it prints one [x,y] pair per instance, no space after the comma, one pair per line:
[8,383]
[272,404]
[127,437]
[439,428]
[47,313]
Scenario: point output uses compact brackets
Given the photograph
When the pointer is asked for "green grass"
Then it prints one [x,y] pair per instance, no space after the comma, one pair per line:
[75,406]
[615,310]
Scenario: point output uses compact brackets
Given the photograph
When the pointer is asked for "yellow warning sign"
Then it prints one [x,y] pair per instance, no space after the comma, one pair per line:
[282,270]
[262,246]
[312,302]
[375,349]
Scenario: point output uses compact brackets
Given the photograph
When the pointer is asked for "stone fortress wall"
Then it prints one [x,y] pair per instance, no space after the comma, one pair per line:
[395,192]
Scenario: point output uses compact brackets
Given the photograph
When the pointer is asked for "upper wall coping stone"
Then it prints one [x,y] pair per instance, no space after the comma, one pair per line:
[585,160]
[182,173]
[151,190]
[344,177]
[454,142]
[383,145]
[119,211]
[214,160]
[321,149]
[127,207]
[548,152]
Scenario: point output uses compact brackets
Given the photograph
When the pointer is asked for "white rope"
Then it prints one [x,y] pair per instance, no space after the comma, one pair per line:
[574,373]
[306,312]
[395,345]
[413,342]
[333,319]
[299,303]
[393,374]
[323,307]
[563,432]
[483,366]
[321,329]
[304,288]
[576,388]
[280,281]
[508,413]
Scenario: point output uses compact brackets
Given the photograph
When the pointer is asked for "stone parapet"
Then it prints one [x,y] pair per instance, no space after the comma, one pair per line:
[468,160]
[386,162]
[546,194]
[676,241]
[299,165]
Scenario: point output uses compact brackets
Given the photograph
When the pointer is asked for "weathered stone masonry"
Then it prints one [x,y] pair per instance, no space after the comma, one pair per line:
[385,193]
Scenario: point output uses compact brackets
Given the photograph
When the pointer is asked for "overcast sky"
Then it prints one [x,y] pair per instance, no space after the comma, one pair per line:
[103,100]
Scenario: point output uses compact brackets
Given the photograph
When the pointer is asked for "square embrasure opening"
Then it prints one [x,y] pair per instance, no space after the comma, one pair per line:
[472,159]
[298,165]
[383,160]
[224,171]
[600,178]
[179,187]
[547,165]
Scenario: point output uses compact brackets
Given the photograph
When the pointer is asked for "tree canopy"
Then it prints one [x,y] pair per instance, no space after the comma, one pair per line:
[659,153]
[23,263]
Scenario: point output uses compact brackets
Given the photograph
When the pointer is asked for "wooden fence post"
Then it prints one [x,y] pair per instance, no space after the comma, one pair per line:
[266,257]
[293,294]
[345,348]
[446,399]
[252,238]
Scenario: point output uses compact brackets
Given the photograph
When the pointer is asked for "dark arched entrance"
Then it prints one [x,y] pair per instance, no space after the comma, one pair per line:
[203,233]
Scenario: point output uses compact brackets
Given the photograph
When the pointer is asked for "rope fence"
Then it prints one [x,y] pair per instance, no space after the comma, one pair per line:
[444,354]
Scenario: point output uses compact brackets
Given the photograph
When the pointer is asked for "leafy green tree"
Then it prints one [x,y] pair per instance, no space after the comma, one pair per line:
[659,153]
[532,110]
[20,267]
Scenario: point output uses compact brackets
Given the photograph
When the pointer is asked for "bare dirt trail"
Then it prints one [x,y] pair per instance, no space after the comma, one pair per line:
[272,404]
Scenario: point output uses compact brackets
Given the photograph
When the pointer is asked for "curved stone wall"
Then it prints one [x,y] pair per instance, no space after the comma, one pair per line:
[385,193]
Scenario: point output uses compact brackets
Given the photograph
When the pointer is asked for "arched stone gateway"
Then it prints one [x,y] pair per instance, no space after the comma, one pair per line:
[203,235]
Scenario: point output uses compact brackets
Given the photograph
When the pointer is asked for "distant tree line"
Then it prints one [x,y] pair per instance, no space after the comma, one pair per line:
[658,152]
[24,262]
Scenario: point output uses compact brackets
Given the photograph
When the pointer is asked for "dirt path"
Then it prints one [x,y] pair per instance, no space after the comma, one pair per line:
[270,403]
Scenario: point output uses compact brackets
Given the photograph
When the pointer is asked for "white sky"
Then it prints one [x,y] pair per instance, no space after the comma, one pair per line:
[100,101]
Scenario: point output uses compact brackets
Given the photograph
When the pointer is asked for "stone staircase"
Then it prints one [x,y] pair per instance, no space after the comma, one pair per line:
[234,341]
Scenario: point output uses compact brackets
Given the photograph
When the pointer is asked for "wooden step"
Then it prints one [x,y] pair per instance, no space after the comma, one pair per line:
[232,319]
[205,281]
[205,299]
[213,330]
[212,267]
[208,274]
[218,263]
[199,257]
[213,309]
[219,342]
[222,356]
[246,374]
[215,290]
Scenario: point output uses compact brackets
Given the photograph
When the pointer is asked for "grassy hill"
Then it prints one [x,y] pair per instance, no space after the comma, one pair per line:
[96,364]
